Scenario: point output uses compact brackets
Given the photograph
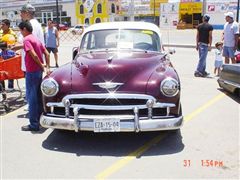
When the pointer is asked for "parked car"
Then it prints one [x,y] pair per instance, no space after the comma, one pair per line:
[63,27]
[120,80]
[229,78]
[78,29]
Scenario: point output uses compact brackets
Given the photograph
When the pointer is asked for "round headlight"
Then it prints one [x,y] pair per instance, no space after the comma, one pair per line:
[169,87]
[49,87]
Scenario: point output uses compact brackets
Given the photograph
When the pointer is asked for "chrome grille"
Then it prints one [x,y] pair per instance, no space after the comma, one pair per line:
[110,104]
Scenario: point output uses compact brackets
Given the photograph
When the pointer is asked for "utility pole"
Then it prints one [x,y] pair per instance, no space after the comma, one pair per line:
[204,7]
[57,10]
[132,10]
[154,15]
[238,11]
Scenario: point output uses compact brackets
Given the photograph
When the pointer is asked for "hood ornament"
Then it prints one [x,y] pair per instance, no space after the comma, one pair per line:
[107,85]
[109,59]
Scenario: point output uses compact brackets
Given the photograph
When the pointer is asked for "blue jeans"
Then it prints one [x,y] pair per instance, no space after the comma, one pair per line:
[10,83]
[33,82]
[203,51]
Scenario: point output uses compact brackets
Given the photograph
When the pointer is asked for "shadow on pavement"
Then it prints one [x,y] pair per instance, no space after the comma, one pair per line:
[112,144]
[14,101]
[233,96]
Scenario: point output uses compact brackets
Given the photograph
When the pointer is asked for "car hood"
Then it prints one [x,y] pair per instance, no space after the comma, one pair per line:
[122,72]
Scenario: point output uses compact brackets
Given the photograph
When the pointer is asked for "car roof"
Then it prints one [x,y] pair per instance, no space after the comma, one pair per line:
[124,25]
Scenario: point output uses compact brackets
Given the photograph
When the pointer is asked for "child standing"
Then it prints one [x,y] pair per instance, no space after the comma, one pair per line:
[34,69]
[218,58]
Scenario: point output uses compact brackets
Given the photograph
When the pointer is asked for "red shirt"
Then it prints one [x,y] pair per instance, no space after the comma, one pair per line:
[32,43]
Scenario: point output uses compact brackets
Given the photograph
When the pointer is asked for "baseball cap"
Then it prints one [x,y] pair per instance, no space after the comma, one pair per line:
[229,14]
[28,8]
[206,17]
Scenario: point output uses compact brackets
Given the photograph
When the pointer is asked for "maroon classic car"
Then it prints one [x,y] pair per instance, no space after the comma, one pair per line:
[120,80]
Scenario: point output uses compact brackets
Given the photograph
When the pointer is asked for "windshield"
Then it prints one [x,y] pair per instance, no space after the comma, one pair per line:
[113,39]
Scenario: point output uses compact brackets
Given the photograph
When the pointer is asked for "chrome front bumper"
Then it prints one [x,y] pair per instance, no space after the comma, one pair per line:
[128,123]
[125,125]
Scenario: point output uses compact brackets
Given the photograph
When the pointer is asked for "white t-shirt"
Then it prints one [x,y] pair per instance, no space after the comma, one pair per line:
[37,32]
[218,55]
[230,30]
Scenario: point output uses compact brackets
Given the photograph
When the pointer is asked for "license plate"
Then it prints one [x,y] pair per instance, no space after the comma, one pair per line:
[106,125]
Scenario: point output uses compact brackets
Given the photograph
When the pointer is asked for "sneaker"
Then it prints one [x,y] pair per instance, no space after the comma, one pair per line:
[198,74]
[206,74]
[29,128]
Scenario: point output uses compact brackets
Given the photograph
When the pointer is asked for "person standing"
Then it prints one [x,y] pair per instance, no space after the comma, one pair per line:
[52,40]
[230,37]
[27,14]
[203,45]
[5,30]
[218,58]
[34,51]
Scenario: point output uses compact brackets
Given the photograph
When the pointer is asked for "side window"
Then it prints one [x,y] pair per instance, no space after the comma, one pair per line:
[85,42]
[88,42]
[92,44]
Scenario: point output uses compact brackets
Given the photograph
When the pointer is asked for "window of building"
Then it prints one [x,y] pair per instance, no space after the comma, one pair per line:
[99,8]
[98,20]
[113,8]
[87,21]
[81,9]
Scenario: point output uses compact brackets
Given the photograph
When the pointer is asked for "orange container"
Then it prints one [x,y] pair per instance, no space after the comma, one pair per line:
[11,68]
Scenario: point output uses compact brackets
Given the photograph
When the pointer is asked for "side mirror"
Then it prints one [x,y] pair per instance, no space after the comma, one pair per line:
[171,51]
[74,52]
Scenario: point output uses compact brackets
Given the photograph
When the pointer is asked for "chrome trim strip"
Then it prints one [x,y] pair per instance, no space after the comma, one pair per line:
[109,95]
[230,83]
[119,107]
[122,117]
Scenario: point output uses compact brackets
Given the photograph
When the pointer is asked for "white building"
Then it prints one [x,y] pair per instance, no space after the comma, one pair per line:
[45,9]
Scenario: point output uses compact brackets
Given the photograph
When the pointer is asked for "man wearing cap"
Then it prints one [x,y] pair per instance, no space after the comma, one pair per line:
[230,37]
[27,14]
[203,45]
